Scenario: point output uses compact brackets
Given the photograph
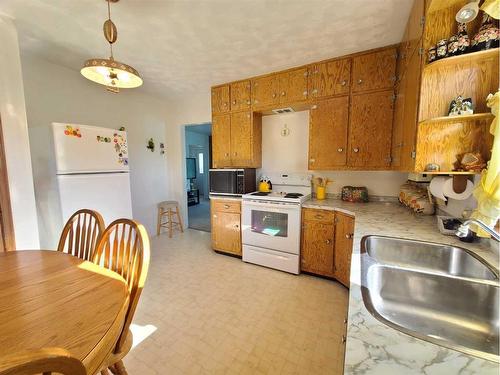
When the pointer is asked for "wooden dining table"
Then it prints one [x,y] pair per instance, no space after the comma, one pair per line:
[52,299]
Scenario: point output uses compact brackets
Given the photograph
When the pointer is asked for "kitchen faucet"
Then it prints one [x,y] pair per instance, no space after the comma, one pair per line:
[463,230]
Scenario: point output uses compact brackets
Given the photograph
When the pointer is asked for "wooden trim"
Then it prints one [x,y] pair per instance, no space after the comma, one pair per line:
[7,238]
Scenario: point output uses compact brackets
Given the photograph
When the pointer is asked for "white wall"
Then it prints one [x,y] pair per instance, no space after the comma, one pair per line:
[290,154]
[16,141]
[58,94]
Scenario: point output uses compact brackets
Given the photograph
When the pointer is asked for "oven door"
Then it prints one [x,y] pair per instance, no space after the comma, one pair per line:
[223,181]
[274,226]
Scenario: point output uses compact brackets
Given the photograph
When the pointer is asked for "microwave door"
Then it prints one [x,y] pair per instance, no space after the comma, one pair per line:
[223,182]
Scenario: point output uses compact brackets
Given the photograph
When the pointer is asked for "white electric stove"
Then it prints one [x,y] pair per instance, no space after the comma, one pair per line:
[271,222]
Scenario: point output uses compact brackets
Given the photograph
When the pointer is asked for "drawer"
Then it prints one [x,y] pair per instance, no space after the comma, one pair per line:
[227,206]
[318,215]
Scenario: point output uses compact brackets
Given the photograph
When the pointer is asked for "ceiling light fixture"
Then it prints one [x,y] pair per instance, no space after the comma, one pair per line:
[468,12]
[113,74]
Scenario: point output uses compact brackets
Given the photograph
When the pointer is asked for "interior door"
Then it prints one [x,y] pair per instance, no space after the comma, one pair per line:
[370,130]
[221,141]
[7,239]
[241,139]
[293,86]
[344,232]
[328,123]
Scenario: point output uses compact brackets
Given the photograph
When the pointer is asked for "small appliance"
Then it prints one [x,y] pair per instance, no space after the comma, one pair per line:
[235,182]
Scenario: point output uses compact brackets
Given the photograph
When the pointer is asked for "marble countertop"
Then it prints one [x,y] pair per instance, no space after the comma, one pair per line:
[373,347]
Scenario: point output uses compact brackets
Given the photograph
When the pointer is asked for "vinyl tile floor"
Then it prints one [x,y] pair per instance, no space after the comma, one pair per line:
[206,313]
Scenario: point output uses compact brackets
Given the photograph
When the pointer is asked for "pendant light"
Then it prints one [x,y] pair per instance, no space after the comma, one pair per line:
[109,72]
[468,12]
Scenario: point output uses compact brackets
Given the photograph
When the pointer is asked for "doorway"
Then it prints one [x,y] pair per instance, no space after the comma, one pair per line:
[198,139]
[7,241]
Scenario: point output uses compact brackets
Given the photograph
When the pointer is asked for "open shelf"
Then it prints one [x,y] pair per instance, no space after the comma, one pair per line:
[457,119]
[466,57]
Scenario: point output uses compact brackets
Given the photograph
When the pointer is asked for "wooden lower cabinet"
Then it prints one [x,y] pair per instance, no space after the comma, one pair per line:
[226,225]
[326,247]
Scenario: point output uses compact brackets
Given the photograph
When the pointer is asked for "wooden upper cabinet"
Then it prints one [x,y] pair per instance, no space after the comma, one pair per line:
[370,130]
[240,95]
[374,71]
[221,141]
[293,86]
[220,99]
[265,91]
[415,26]
[328,124]
[241,139]
[329,78]
[317,252]
[344,234]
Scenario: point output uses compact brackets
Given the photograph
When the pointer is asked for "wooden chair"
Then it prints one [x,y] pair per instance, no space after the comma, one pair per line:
[81,234]
[43,361]
[168,209]
[124,248]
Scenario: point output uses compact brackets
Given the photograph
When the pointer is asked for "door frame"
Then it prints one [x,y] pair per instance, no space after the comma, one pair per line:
[7,238]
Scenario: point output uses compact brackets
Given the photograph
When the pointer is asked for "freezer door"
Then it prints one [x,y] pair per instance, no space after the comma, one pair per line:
[88,149]
[107,193]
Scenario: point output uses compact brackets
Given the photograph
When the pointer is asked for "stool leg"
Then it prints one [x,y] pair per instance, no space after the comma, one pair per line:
[158,225]
[170,222]
[179,218]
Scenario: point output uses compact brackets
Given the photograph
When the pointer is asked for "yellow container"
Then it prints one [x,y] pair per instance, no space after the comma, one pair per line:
[320,192]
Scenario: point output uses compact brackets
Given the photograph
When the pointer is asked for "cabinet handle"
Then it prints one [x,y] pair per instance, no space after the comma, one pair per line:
[315,91]
[226,154]
[312,160]
[215,216]
[343,339]
[328,242]
[283,93]
[248,102]
[355,149]
[360,81]
[224,104]
[248,115]
[226,206]
[345,321]
[274,95]
[319,216]
[344,82]
[236,226]
[316,71]
[340,149]
[235,154]
[304,93]
[234,101]
[349,235]
[255,101]
[314,106]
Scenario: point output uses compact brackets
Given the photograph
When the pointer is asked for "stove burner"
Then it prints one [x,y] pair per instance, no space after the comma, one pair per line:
[260,193]
[294,195]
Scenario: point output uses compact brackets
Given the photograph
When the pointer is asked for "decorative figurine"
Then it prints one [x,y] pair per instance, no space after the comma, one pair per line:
[461,106]
[151,145]
[488,35]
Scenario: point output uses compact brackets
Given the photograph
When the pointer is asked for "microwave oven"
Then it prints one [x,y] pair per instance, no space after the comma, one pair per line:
[232,181]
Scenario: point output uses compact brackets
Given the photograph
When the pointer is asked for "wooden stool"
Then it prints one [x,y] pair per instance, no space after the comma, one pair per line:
[169,209]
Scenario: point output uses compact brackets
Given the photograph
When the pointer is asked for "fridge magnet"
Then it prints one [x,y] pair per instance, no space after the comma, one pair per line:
[75,132]
[103,139]
[460,106]
[162,148]
[122,128]
[120,143]
[151,145]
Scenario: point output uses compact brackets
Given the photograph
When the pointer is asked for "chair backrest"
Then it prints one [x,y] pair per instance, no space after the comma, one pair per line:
[43,361]
[124,248]
[81,234]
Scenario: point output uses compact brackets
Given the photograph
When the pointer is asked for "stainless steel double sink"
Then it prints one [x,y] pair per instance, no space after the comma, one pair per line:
[439,293]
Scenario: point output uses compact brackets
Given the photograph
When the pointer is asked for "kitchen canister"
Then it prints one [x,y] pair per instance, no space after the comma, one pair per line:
[432,54]
[441,49]
[355,194]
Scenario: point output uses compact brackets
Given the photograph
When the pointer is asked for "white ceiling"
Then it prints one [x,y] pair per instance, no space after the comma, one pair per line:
[184,46]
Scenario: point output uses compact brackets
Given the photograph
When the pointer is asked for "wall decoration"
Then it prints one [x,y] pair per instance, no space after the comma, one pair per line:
[121,148]
[285,131]
[122,128]
[75,132]
[461,106]
[162,148]
[151,145]
[103,139]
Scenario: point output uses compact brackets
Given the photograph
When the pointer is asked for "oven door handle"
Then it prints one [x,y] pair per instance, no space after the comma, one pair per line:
[266,205]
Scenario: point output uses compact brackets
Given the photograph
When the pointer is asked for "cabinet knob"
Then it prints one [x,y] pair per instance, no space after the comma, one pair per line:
[226,154]
[340,149]
[304,93]
[224,104]
[344,82]
[248,102]
[235,154]
[312,160]
[226,206]
[345,321]
[318,216]
[236,226]
[316,71]
[360,81]
[234,101]
[274,95]
[349,235]
[355,149]
[315,91]
[215,216]
[255,101]
[328,242]
[283,93]
[343,339]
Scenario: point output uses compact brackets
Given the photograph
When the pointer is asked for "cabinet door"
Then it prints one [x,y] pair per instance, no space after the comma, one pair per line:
[328,122]
[329,78]
[241,139]
[265,91]
[221,141]
[398,126]
[293,86]
[317,247]
[240,95]
[415,26]
[370,130]
[220,99]
[374,71]
[226,233]
[344,233]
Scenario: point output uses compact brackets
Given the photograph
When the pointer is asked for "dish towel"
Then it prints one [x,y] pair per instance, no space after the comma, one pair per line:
[487,192]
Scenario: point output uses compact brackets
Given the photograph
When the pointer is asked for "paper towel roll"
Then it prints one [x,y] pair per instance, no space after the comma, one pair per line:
[448,190]
[437,186]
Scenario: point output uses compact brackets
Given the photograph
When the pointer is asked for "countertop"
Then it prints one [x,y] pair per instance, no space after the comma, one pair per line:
[225,197]
[373,347]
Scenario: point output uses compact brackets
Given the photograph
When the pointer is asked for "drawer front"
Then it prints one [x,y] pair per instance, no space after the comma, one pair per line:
[318,215]
[227,206]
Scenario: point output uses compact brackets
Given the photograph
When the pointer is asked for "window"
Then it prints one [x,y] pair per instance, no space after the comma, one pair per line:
[200,162]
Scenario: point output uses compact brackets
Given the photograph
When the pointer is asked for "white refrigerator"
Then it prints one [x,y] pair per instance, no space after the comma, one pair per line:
[92,170]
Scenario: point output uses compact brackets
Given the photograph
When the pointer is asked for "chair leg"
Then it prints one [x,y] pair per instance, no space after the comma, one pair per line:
[179,218]
[170,224]
[120,368]
[158,225]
